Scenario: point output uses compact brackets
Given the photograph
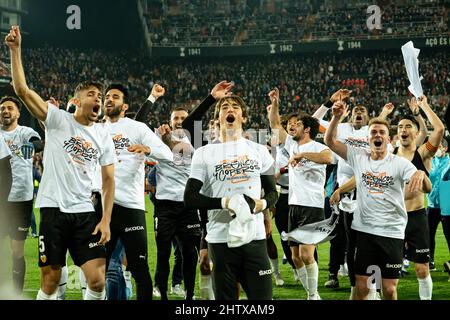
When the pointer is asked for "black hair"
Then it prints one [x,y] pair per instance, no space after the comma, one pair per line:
[312,124]
[12,99]
[121,88]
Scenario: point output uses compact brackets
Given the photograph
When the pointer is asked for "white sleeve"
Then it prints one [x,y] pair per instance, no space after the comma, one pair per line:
[266,159]
[30,133]
[4,150]
[198,166]
[159,150]
[55,117]
[288,144]
[108,155]
[352,153]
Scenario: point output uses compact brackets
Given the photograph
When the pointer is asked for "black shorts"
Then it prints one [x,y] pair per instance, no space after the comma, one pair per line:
[417,236]
[17,220]
[376,251]
[173,219]
[60,231]
[301,215]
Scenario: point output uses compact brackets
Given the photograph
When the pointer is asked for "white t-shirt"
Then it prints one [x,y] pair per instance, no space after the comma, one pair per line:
[227,169]
[4,150]
[350,137]
[172,176]
[22,169]
[282,160]
[71,153]
[380,185]
[129,169]
[307,178]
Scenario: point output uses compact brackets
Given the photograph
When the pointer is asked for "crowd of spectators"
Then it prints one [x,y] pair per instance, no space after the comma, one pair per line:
[234,22]
[305,81]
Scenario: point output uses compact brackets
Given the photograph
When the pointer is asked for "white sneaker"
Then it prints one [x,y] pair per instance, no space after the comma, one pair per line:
[278,279]
[177,290]
[406,263]
[343,271]
[314,297]
[296,276]
[156,292]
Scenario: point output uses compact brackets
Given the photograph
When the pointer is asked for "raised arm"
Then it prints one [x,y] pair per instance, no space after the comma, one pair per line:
[341,94]
[387,110]
[220,90]
[274,116]
[157,92]
[339,108]
[429,149]
[33,102]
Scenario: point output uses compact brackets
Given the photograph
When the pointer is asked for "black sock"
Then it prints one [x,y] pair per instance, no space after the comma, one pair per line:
[19,273]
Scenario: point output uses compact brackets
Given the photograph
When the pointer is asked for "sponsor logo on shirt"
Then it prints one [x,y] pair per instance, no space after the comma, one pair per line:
[191,226]
[80,150]
[120,142]
[422,250]
[236,170]
[377,183]
[357,142]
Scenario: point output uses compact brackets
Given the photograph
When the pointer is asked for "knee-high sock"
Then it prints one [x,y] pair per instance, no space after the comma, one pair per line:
[425,288]
[313,276]
[206,289]
[82,283]
[18,271]
[63,283]
[303,276]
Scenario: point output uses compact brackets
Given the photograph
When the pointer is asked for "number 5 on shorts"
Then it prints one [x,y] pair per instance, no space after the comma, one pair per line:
[41,244]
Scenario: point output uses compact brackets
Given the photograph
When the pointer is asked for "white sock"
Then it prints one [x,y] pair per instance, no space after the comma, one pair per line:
[43,296]
[206,290]
[352,293]
[303,276]
[93,295]
[425,288]
[274,264]
[313,276]
[63,283]
[372,291]
[82,282]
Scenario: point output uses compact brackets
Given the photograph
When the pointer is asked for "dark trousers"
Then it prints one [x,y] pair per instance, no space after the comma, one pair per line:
[129,225]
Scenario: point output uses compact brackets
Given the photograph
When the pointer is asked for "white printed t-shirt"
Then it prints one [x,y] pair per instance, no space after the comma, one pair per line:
[227,169]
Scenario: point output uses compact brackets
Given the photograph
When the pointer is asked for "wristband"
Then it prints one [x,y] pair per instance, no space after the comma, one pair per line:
[224,203]
[264,206]
[151,98]
[328,104]
[416,114]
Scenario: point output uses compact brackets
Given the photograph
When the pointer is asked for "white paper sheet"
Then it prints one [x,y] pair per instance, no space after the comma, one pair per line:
[410,56]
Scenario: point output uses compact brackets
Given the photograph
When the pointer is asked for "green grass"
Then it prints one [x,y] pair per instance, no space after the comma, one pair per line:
[408,286]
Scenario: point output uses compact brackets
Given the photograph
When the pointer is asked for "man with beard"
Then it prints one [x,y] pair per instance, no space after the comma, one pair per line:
[380,217]
[230,175]
[417,231]
[21,141]
[307,166]
[75,145]
[133,141]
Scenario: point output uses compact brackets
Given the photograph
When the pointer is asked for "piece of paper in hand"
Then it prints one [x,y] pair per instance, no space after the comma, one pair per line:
[410,56]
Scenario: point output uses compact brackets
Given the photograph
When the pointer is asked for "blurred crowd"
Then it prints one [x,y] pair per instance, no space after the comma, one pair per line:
[227,22]
[305,81]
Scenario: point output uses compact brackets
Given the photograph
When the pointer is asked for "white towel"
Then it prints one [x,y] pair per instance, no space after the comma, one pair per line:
[242,229]
[240,234]
[410,56]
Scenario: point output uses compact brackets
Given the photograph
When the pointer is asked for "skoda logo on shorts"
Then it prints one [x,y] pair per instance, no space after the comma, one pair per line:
[43,258]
